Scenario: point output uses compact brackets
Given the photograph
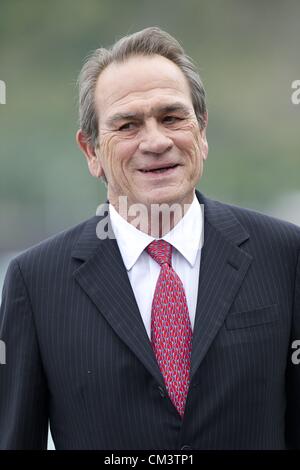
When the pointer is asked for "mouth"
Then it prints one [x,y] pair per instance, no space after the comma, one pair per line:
[162,169]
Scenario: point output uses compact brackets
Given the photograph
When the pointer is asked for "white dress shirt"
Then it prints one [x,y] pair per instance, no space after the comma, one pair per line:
[186,238]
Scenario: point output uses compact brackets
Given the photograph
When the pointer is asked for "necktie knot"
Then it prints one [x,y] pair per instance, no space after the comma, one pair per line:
[160,251]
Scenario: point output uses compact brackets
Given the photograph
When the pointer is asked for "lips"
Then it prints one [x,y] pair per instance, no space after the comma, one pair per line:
[159,168]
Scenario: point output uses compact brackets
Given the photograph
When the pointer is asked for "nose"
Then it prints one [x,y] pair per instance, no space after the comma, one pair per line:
[154,140]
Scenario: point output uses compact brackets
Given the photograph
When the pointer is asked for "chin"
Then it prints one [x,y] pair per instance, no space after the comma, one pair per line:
[163,196]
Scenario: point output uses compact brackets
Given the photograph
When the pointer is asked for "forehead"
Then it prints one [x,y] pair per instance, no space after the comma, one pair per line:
[138,84]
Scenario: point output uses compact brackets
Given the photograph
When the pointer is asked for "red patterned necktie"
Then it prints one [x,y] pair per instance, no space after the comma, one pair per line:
[171,332]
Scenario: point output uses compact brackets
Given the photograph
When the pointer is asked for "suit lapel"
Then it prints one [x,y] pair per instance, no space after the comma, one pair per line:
[223,267]
[104,278]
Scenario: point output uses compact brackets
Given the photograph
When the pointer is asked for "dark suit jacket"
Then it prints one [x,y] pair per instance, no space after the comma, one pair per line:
[78,353]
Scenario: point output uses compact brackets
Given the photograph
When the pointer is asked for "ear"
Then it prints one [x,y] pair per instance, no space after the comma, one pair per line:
[90,153]
[203,136]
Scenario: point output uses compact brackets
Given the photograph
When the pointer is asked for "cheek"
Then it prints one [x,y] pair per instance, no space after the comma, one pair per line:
[107,151]
[116,154]
[190,144]
[125,149]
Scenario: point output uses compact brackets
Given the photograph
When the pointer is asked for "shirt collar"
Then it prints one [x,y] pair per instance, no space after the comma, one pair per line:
[186,236]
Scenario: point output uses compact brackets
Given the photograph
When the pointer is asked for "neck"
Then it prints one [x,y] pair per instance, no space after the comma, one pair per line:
[154,219]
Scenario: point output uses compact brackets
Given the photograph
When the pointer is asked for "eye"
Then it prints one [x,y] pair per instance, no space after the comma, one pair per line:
[128,126]
[171,119]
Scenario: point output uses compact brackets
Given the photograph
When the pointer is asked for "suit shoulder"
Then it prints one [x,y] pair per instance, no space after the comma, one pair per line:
[260,224]
[60,244]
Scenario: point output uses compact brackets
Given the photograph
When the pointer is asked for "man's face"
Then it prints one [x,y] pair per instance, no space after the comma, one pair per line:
[151,148]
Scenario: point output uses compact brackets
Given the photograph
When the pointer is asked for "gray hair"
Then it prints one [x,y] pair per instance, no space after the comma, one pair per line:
[149,41]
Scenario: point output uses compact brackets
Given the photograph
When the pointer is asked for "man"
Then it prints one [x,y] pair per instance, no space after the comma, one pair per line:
[140,335]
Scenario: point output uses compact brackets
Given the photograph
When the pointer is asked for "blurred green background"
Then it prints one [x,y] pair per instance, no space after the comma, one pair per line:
[248,56]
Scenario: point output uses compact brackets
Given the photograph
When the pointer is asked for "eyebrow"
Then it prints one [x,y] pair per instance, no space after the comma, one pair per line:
[123,117]
[171,108]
